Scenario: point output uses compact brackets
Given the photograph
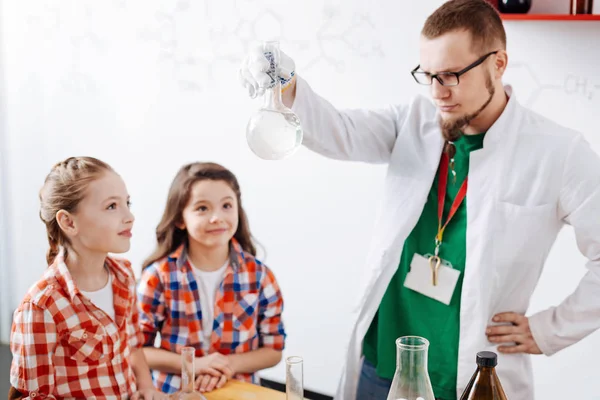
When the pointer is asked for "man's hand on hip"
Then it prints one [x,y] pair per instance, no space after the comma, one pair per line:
[517,332]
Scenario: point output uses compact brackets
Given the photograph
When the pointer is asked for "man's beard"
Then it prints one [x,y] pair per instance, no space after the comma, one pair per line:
[452,129]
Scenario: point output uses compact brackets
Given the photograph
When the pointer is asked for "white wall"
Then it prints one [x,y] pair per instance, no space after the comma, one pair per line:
[5,273]
[150,85]
[5,290]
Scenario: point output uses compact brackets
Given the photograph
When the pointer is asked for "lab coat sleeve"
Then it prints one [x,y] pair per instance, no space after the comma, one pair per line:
[579,205]
[350,135]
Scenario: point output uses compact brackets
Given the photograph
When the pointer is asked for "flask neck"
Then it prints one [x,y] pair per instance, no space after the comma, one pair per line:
[272,97]
[412,360]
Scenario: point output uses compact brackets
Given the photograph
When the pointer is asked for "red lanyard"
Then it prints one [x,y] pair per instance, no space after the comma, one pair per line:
[435,260]
[460,196]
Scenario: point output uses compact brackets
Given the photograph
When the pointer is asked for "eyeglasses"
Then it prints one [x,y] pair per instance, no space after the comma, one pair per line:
[445,78]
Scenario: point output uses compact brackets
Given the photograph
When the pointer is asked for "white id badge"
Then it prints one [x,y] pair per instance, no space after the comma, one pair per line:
[420,279]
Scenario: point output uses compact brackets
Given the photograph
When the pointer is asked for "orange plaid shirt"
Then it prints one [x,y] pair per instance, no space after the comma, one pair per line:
[247,314]
[64,346]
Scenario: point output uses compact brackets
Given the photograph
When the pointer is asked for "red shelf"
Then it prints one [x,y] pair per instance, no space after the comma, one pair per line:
[550,17]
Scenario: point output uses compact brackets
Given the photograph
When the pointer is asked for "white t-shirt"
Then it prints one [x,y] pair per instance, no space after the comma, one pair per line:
[103,298]
[208,284]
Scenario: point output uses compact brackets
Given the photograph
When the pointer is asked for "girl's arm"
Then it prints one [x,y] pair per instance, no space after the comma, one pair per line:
[152,310]
[33,340]
[141,370]
[249,363]
[270,324]
[145,388]
[151,306]
[215,364]
[270,330]
[163,360]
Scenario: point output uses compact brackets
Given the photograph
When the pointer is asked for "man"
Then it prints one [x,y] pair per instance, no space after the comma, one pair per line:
[474,252]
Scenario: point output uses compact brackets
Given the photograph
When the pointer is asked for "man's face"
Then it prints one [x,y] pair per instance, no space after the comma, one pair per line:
[452,52]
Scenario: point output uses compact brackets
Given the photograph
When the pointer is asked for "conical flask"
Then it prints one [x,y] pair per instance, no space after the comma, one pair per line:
[411,380]
[274,132]
[188,375]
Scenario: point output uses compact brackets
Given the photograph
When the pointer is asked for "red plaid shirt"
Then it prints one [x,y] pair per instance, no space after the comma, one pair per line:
[247,314]
[64,346]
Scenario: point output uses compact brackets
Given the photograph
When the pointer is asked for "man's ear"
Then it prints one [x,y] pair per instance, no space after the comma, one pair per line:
[501,62]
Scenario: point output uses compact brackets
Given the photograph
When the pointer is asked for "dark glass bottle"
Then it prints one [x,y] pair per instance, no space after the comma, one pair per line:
[484,384]
[514,6]
[582,6]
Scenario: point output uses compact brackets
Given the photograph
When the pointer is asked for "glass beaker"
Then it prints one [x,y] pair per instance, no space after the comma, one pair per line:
[274,132]
[188,375]
[411,380]
[294,378]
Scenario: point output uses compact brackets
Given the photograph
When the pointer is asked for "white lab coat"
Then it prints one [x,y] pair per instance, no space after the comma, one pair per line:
[531,177]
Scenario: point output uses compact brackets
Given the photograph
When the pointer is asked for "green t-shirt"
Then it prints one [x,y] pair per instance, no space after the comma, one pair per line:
[405,312]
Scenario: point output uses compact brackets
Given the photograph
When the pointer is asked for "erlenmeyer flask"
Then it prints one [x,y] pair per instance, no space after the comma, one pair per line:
[294,378]
[274,132]
[411,380]
[188,375]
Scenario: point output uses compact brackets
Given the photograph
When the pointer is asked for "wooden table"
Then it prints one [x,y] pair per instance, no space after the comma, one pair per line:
[237,390]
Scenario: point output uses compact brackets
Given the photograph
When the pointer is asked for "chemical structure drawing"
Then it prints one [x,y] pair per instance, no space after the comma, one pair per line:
[572,84]
[56,24]
[352,36]
[46,17]
[78,80]
[579,85]
[226,42]
[187,68]
[247,31]
[196,57]
[228,39]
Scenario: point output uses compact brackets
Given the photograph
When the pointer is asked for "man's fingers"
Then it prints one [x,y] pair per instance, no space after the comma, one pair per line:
[515,338]
[502,330]
[511,317]
[245,75]
[521,348]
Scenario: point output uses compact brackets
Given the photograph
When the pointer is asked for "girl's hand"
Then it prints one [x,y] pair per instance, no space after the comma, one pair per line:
[215,364]
[207,383]
[149,394]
